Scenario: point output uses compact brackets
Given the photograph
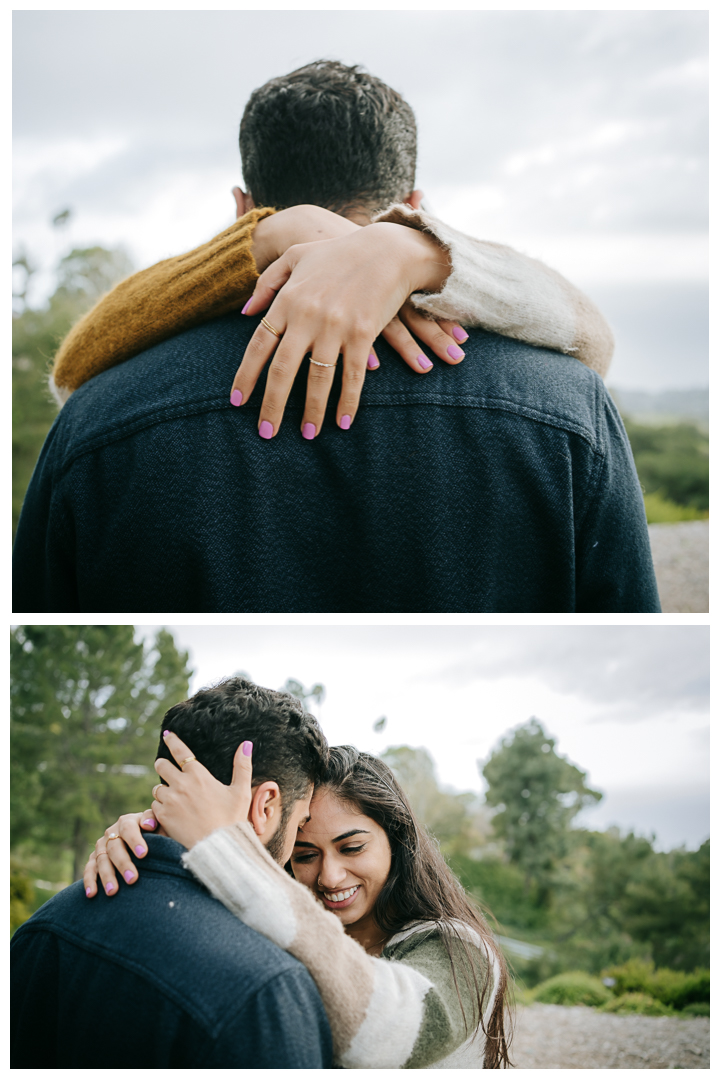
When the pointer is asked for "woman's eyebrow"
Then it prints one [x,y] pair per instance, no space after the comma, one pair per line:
[353,832]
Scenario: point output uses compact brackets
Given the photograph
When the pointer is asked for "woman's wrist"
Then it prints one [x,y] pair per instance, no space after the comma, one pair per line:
[296,225]
[426,263]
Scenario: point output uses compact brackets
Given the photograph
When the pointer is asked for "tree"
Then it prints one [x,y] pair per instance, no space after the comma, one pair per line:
[305,695]
[448,816]
[82,278]
[86,706]
[538,793]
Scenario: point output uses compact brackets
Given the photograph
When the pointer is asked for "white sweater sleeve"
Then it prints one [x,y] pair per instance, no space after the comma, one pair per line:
[499,289]
[376,1007]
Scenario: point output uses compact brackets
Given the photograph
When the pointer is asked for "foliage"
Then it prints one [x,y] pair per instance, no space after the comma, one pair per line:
[572,988]
[699,1008]
[499,887]
[306,695]
[672,461]
[637,1003]
[86,704]
[82,278]
[662,511]
[22,896]
[674,988]
[538,794]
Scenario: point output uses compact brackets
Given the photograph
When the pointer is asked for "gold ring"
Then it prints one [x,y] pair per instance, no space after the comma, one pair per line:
[191,758]
[154,790]
[103,852]
[318,364]
[112,836]
[271,328]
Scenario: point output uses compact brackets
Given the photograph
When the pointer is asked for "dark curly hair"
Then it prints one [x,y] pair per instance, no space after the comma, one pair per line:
[328,134]
[421,887]
[288,744]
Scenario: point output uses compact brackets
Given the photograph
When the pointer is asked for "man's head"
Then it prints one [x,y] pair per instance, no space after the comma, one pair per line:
[289,751]
[331,135]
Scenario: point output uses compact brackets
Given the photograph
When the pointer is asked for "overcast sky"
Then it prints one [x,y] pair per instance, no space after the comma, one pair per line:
[579,137]
[629,705]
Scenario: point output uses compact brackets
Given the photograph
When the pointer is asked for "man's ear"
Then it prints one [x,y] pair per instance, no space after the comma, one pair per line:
[414,199]
[243,202]
[264,812]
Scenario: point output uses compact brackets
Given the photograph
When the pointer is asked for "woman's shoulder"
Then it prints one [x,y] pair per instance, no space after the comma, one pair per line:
[415,933]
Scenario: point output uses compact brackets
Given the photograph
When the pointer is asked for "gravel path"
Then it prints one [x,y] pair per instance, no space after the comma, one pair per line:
[680,555]
[563,1037]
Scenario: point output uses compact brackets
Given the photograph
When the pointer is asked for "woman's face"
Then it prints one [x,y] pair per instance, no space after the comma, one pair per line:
[343,856]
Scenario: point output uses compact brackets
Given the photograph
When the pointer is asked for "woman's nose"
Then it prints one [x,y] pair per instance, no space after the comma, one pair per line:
[332,874]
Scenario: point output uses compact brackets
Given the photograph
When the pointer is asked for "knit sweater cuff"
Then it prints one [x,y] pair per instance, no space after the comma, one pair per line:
[494,287]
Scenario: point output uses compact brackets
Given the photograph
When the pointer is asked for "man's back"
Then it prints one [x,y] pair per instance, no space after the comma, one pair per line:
[159,976]
[503,485]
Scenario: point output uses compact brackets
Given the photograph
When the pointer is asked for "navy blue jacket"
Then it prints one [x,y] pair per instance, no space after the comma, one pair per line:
[505,484]
[159,976]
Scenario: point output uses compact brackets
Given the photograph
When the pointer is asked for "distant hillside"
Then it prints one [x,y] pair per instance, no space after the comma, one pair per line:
[665,404]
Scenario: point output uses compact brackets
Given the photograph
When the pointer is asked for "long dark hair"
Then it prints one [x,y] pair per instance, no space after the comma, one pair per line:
[422,888]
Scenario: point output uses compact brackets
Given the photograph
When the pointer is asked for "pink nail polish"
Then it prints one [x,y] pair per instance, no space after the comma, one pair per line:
[373,361]
[246,306]
[424,362]
[88,892]
[455,353]
[151,823]
[236,397]
[459,334]
[308,431]
[128,875]
[165,733]
[345,422]
[109,888]
[265,431]
[247,748]
[139,850]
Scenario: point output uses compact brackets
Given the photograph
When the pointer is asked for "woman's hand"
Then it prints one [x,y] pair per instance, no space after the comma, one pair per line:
[192,803]
[333,297]
[111,851]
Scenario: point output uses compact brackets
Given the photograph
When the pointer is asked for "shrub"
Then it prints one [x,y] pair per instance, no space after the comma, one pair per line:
[698,1008]
[640,1004]
[572,988]
[675,988]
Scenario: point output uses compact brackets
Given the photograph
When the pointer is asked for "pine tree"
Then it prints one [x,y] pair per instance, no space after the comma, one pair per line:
[86,707]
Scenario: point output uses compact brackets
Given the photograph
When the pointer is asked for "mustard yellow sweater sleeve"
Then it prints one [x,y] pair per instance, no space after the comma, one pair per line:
[157,303]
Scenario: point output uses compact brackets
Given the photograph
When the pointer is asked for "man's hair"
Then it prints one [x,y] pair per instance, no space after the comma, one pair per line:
[330,135]
[288,744]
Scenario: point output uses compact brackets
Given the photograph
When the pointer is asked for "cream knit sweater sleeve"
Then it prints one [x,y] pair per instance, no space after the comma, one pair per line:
[382,1014]
[499,289]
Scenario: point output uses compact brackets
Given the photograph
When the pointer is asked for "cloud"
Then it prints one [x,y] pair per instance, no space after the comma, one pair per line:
[627,673]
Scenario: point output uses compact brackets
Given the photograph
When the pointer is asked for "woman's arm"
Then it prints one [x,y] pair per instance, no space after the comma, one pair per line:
[157,303]
[499,289]
[383,1014]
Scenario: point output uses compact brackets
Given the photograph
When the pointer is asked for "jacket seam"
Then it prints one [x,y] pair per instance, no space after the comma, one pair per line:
[215,405]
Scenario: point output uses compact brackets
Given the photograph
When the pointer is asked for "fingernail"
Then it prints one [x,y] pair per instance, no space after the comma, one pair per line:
[265,431]
[459,334]
[246,306]
[236,397]
[129,876]
[457,354]
[140,850]
[165,733]
[308,431]
[345,422]
[109,888]
[88,892]
[373,361]
[247,748]
[424,362]
[151,823]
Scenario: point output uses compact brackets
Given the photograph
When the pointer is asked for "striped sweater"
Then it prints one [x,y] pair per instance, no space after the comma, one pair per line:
[399,1010]
[489,286]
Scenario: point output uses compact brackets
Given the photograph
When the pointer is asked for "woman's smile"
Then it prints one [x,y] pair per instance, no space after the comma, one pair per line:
[341,898]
